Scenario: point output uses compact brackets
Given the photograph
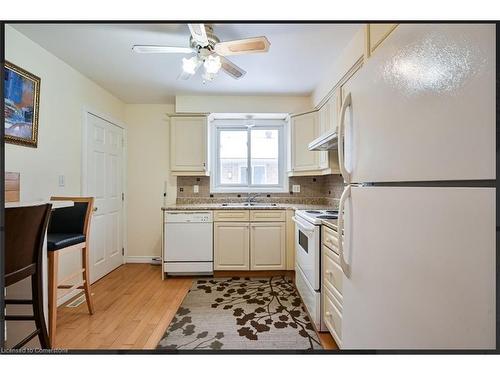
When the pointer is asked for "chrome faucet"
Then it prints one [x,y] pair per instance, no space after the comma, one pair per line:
[251,197]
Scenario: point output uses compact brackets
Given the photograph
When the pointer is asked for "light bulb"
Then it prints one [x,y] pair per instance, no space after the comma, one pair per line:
[212,64]
[189,65]
[208,76]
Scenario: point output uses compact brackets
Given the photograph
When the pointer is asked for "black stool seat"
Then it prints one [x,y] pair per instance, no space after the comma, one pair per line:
[56,241]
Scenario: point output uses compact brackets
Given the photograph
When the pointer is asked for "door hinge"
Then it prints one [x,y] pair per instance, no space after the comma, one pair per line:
[123,251]
[123,196]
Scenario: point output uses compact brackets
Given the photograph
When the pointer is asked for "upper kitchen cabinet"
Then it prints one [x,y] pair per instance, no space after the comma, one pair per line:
[304,128]
[328,113]
[188,146]
[376,34]
[345,88]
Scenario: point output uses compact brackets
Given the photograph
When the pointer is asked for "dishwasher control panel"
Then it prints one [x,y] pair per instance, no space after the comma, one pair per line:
[188,217]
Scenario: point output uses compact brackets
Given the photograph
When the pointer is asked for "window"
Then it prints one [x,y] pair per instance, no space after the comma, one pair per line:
[248,156]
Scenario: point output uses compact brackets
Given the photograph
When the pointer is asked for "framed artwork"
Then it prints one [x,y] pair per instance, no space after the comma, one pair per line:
[22,98]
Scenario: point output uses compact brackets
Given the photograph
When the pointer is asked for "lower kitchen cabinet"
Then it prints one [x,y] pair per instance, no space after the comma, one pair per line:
[231,246]
[268,246]
[250,240]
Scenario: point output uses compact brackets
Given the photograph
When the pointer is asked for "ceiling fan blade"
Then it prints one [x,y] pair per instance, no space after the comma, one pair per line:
[243,46]
[233,70]
[199,33]
[160,49]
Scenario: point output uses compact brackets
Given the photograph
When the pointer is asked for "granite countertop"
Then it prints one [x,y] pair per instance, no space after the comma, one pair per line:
[277,206]
[219,206]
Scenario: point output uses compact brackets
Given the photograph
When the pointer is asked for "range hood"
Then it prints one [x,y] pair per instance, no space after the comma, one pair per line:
[327,141]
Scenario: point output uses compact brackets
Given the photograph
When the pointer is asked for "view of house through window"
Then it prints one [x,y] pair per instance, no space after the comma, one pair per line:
[248,156]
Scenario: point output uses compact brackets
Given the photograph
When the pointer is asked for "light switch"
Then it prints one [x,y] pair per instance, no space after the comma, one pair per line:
[61,180]
[196,189]
[296,188]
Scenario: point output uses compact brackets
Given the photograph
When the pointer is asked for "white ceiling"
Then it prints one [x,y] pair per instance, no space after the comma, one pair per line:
[299,56]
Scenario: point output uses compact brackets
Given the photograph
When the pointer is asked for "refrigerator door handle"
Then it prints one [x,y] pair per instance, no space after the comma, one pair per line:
[347,103]
[345,266]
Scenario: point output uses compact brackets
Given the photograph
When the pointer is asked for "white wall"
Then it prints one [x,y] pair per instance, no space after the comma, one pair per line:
[241,104]
[148,167]
[63,93]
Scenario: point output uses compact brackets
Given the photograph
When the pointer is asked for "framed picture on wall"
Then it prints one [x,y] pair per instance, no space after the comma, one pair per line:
[22,98]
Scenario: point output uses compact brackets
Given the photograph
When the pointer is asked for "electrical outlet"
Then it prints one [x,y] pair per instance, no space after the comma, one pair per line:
[61,180]
[296,188]
[196,189]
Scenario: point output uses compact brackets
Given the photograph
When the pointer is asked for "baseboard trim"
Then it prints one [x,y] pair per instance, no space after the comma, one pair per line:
[140,258]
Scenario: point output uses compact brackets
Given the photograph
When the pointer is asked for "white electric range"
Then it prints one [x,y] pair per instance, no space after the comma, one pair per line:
[308,259]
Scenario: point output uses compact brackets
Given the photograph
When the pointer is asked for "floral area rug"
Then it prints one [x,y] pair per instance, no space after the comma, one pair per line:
[241,314]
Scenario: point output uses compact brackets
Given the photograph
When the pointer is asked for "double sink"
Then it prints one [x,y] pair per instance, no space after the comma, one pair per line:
[244,204]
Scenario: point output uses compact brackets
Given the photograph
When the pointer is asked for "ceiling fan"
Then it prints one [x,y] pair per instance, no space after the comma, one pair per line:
[210,52]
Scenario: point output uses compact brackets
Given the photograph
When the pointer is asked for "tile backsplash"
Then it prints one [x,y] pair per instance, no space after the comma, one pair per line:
[327,187]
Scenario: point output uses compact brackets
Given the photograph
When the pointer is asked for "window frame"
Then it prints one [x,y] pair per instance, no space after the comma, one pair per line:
[216,126]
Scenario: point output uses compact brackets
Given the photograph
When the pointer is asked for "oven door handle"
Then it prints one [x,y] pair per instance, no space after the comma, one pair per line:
[301,225]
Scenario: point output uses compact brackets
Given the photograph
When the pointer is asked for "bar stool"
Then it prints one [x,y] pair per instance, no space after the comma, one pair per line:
[25,229]
[68,230]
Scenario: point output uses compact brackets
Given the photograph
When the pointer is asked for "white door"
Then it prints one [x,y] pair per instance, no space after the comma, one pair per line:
[104,179]
[422,263]
[423,107]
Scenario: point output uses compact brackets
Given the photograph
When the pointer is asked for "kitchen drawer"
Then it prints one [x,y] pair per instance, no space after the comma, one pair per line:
[329,237]
[332,316]
[332,273]
[267,215]
[231,215]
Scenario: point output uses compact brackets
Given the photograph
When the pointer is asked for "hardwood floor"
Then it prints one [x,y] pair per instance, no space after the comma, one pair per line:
[133,308]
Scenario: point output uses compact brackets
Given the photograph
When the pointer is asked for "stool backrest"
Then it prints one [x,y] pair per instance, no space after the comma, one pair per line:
[74,220]
[25,229]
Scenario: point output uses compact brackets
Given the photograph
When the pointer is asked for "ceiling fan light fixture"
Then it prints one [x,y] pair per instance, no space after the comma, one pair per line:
[189,65]
[212,64]
[208,77]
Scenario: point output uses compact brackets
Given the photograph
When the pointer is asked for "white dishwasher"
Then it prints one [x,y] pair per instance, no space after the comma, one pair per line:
[188,242]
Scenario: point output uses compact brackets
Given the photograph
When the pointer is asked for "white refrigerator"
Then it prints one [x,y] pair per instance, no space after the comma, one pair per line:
[417,152]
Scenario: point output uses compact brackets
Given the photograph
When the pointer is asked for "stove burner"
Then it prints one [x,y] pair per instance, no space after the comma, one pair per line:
[328,217]
[313,212]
